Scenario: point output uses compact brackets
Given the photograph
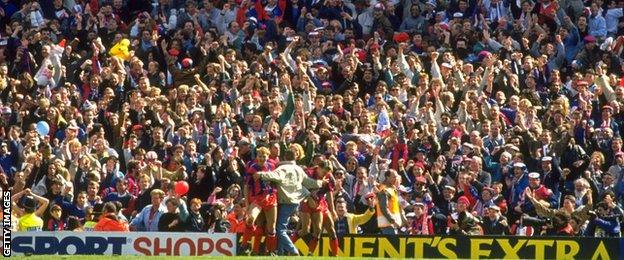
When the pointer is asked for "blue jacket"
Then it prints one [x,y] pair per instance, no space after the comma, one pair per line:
[142,221]
[518,188]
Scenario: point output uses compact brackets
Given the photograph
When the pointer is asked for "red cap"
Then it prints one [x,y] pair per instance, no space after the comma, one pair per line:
[541,194]
[589,39]
[137,127]
[174,52]
[187,62]
[420,165]
[421,179]
[456,133]
[464,200]
[444,26]
[369,195]
[401,37]
[582,83]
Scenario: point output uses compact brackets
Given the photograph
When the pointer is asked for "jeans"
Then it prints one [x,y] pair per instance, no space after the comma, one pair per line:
[284,244]
[388,231]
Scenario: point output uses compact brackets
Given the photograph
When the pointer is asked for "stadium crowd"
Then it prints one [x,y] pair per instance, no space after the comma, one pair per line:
[290,119]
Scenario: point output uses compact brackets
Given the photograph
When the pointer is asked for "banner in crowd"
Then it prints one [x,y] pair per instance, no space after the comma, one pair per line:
[118,243]
[514,247]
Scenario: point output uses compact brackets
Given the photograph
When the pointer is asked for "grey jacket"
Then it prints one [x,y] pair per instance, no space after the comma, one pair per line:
[292,182]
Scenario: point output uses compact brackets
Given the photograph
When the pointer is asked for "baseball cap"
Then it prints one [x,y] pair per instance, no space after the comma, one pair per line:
[519,165]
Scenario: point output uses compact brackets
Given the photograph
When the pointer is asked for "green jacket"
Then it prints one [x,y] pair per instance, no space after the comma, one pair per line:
[292,182]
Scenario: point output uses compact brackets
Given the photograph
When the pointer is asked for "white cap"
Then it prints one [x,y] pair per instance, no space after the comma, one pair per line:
[519,165]
[534,175]
[469,145]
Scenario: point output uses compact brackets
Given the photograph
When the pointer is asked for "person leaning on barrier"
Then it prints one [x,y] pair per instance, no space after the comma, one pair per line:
[109,221]
[390,217]
[348,223]
[148,219]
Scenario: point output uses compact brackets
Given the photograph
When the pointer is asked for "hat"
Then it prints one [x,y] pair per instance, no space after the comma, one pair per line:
[547,159]
[379,6]
[512,147]
[195,110]
[607,107]
[456,133]
[447,65]
[421,179]
[468,145]
[519,165]
[404,189]
[483,54]
[444,26]
[458,15]
[419,204]
[432,3]
[6,110]
[174,52]
[137,127]
[450,187]
[401,37]
[582,83]
[589,39]
[410,215]
[87,106]
[253,19]
[187,62]
[73,125]
[369,195]
[151,155]
[111,155]
[534,175]
[420,165]
[463,200]
[494,207]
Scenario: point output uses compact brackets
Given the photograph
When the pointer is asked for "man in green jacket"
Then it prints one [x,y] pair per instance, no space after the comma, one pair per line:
[292,184]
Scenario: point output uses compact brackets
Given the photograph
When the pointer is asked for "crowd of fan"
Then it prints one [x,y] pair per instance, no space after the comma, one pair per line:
[495,116]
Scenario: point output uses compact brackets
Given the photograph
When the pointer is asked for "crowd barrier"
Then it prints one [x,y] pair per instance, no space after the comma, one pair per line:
[118,243]
[196,244]
[474,247]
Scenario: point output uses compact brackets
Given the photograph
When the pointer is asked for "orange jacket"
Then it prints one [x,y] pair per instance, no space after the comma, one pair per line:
[237,226]
[110,223]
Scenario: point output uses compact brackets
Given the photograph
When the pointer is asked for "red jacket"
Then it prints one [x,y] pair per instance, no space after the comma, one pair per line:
[236,225]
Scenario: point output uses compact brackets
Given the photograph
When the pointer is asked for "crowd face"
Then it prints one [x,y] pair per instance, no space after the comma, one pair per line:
[534,183]
[157,200]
